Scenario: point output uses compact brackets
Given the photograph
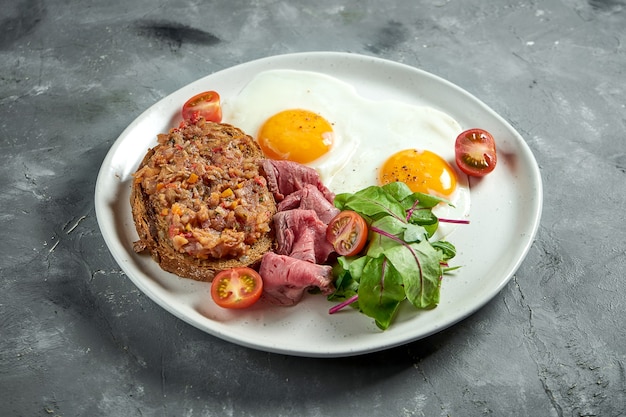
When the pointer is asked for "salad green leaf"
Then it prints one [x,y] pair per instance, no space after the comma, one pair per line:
[372,203]
[400,262]
[380,291]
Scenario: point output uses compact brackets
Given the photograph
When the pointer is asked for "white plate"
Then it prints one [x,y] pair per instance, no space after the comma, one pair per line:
[505,214]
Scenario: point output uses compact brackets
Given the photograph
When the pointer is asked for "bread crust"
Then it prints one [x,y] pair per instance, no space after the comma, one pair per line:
[152,226]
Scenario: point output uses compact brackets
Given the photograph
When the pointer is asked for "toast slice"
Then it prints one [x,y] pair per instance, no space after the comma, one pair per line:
[200,201]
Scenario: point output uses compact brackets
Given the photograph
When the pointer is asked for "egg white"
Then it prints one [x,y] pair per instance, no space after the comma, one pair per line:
[367,131]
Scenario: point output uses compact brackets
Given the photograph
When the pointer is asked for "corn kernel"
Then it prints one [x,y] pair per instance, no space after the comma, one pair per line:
[177,209]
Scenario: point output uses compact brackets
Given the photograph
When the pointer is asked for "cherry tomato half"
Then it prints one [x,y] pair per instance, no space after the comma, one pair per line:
[205,105]
[475,152]
[347,232]
[236,287]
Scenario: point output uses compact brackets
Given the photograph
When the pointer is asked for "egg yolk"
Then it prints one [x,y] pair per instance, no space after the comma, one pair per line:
[422,171]
[295,135]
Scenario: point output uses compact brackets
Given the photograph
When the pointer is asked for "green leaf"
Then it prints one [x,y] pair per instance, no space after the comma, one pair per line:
[397,190]
[418,207]
[372,202]
[431,228]
[420,268]
[414,233]
[447,249]
[422,200]
[380,292]
[401,263]
[347,273]
[340,200]
[406,232]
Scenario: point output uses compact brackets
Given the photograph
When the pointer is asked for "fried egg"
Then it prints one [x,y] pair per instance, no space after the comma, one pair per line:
[352,141]
[296,135]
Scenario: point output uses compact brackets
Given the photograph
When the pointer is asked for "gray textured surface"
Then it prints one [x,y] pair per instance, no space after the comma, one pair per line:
[78,339]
